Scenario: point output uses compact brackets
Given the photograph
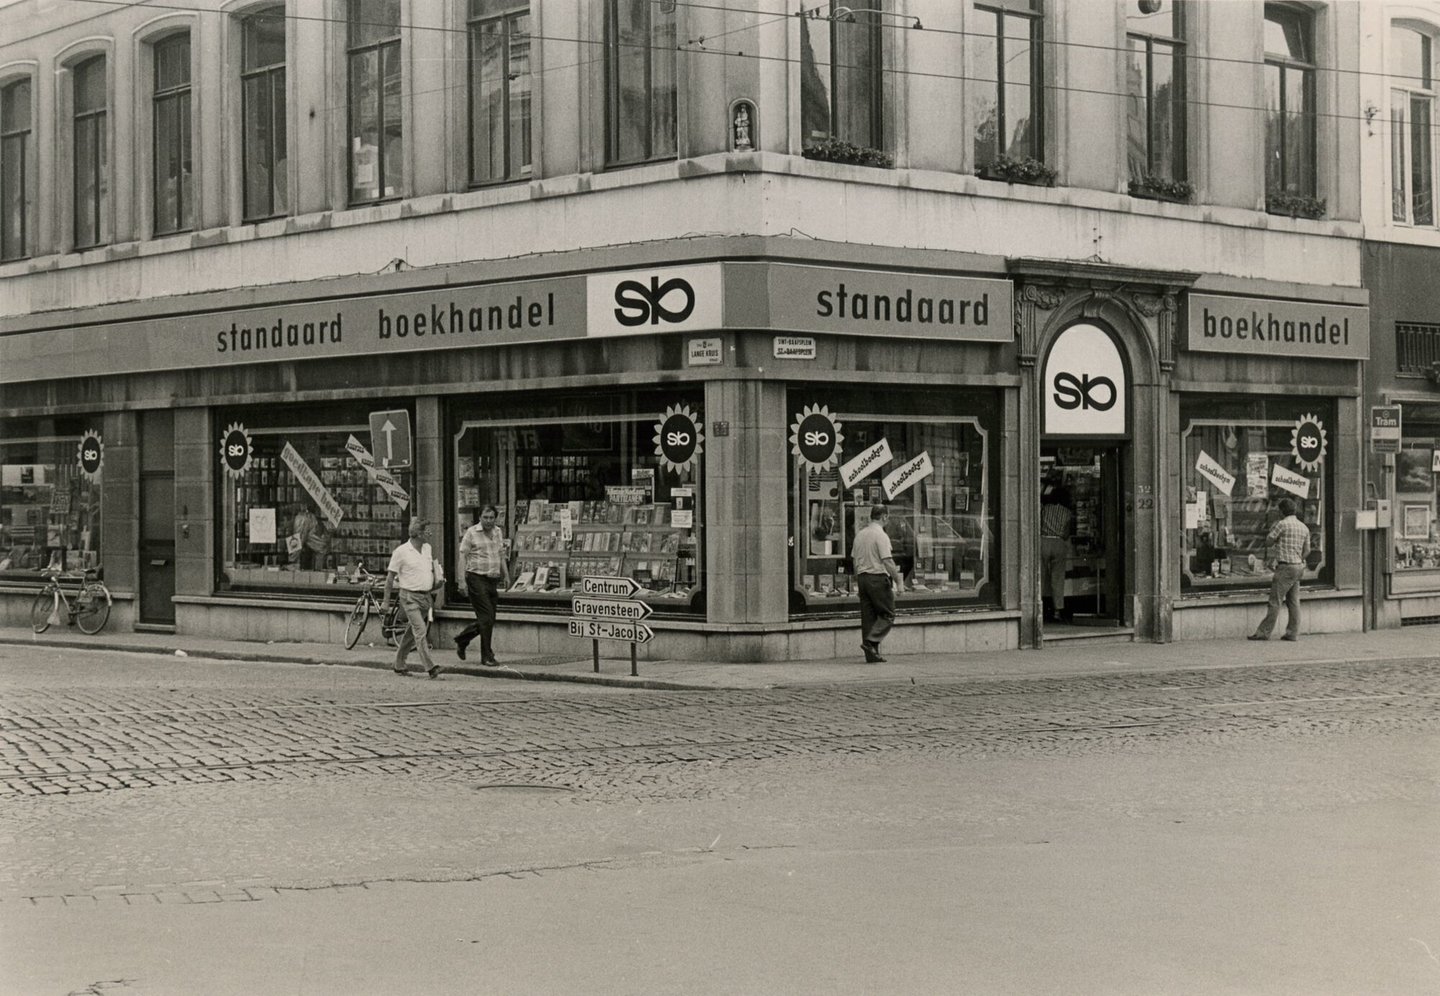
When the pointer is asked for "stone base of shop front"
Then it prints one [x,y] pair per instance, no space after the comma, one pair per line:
[1227,617]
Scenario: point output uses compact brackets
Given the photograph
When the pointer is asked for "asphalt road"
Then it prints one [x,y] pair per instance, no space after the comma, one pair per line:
[177,825]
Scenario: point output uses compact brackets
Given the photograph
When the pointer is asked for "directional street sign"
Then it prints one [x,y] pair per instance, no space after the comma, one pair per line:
[612,587]
[610,608]
[601,629]
[390,438]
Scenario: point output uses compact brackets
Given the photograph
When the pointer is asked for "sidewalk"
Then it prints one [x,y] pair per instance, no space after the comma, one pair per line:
[1064,659]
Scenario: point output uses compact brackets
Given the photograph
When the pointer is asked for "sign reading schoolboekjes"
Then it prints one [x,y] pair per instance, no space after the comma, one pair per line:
[1281,329]
[783,297]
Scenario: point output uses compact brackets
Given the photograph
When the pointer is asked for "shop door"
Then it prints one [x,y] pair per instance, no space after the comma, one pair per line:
[157,518]
[1094,567]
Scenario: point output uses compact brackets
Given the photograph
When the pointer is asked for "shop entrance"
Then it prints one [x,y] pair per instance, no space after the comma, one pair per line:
[1082,552]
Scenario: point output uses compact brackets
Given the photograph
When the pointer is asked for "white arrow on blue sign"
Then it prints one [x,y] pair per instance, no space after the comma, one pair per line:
[390,438]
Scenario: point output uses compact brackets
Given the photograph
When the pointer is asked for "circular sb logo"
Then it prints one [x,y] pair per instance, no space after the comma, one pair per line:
[678,437]
[235,449]
[90,455]
[815,437]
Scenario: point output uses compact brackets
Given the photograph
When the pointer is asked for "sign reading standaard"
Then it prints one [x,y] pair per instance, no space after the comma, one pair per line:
[1281,329]
[879,302]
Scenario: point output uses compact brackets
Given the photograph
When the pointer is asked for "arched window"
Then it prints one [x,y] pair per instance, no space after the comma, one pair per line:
[1412,121]
[91,153]
[174,143]
[264,138]
[1290,72]
[15,153]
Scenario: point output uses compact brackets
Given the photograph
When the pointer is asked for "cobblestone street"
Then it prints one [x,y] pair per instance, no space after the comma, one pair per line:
[132,780]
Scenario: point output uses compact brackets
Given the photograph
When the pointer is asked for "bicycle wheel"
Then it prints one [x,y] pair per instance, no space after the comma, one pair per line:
[395,624]
[355,622]
[45,609]
[92,608]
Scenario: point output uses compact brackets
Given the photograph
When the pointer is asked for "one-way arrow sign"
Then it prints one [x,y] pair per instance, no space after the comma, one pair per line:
[390,438]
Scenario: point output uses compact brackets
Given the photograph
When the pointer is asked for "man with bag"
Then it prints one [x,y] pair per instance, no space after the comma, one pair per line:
[419,576]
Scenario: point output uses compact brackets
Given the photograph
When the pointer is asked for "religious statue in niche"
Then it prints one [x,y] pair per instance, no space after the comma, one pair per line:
[742,139]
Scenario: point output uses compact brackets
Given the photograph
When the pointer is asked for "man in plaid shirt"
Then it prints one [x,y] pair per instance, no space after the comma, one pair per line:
[1289,539]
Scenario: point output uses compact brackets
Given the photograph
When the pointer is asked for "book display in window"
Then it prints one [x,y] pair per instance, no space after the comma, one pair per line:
[605,540]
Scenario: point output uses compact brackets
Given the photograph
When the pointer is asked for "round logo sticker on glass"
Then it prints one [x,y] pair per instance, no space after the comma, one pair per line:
[90,454]
[236,449]
[1307,443]
[816,437]
[678,437]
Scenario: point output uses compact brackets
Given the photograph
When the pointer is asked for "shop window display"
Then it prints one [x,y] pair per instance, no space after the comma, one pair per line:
[929,456]
[584,490]
[1415,532]
[49,506]
[1240,456]
[304,513]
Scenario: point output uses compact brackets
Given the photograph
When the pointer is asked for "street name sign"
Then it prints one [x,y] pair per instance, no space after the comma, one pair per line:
[610,608]
[611,587]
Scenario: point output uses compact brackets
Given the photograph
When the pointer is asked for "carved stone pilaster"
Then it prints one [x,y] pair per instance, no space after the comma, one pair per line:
[1030,299]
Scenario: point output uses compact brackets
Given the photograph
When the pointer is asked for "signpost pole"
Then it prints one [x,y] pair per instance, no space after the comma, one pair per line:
[634,668]
[595,644]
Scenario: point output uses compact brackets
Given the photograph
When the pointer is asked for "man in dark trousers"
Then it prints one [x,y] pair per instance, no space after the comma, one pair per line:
[484,570]
[878,577]
[1286,545]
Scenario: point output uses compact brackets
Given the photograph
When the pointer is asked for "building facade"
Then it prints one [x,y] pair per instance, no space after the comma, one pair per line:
[681,290]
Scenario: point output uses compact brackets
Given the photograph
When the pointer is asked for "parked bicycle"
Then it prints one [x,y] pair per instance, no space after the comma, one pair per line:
[391,625]
[90,609]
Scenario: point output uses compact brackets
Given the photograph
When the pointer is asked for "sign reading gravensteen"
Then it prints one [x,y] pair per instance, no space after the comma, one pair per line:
[1281,329]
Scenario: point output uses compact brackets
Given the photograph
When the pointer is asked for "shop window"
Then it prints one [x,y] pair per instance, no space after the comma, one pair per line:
[1007,94]
[1155,78]
[304,513]
[942,524]
[583,489]
[1417,477]
[640,74]
[15,169]
[174,162]
[91,154]
[1241,455]
[264,144]
[1290,73]
[500,83]
[49,507]
[842,74]
[377,155]
[1412,120]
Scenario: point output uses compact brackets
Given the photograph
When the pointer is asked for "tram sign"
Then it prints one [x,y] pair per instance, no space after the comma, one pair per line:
[603,629]
[612,587]
[610,608]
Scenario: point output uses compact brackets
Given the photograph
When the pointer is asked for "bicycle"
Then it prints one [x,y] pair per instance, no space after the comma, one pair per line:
[91,608]
[391,625]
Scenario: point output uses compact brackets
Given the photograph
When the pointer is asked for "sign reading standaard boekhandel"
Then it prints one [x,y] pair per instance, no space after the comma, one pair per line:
[630,302]
[1280,329]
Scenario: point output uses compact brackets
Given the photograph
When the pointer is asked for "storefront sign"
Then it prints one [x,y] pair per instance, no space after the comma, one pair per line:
[236,449]
[1385,428]
[876,302]
[328,505]
[1210,469]
[1084,384]
[1296,484]
[1307,443]
[678,437]
[816,437]
[866,463]
[90,454]
[705,352]
[1271,328]
[906,476]
[637,302]
[387,483]
[794,347]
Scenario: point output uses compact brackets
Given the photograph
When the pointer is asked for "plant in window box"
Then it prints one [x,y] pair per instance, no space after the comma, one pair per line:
[1011,170]
[832,150]
[1294,205]
[1161,188]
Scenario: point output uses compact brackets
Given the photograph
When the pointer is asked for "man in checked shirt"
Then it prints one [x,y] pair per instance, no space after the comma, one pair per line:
[483,572]
[1290,540]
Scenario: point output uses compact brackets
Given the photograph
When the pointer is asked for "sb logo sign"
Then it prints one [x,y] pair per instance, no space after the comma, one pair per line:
[1307,443]
[1084,392]
[235,449]
[640,304]
[678,437]
[815,437]
[90,454]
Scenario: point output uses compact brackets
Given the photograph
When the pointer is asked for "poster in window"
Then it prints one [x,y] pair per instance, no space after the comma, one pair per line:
[1416,522]
[1413,473]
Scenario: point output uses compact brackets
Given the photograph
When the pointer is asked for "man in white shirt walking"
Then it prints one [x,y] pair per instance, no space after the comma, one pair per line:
[414,569]
[483,574]
[878,577]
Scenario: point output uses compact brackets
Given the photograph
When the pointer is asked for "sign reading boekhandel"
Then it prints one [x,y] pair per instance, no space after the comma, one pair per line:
[1280,329]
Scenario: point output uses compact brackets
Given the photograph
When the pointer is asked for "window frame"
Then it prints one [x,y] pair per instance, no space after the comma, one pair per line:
[96,120]
[875,115]
[613,159]
[1178,47]
[270,76]
[13,163]
[383,49]
[475,23]
[1304,20]
[1404,97]
[176,101]
[1032,12]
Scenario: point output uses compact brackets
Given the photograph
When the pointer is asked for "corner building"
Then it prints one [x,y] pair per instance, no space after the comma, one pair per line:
[683,289]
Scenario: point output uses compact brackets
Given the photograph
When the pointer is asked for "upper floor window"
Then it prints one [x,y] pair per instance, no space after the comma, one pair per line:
[1007,92]
[377,163]
[842,75]
[91,158]
[174,163]
[639,81]
[1289,101]
[14,169]
[264,145]
[1155,80]
[1412,119]
[499,90]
